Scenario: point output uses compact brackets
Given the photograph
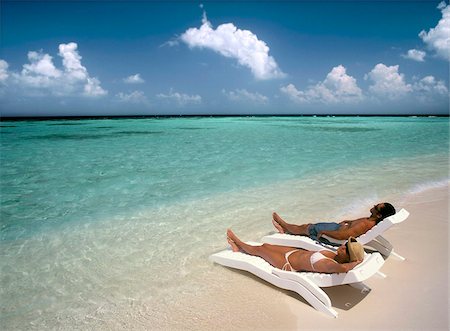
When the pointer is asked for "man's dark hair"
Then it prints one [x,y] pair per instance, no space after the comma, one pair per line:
[388,210]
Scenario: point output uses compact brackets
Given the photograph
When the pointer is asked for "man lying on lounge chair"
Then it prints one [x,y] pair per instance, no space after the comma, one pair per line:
[339,231]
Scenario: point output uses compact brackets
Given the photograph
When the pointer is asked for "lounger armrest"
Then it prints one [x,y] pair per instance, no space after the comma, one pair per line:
[371,264]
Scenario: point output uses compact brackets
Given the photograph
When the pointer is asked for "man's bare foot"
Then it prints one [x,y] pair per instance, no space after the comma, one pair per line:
[232,239]
[275,221]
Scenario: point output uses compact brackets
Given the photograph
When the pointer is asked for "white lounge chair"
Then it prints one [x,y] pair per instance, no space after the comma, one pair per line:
[306,284]
[372,238]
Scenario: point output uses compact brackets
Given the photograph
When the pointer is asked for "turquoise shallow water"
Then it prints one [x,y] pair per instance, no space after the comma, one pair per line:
[94,212]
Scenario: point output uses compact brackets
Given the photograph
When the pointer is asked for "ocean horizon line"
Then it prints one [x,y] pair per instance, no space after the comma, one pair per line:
[84,117]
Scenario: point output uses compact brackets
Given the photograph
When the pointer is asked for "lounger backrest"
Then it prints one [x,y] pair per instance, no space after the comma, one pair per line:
[383,226]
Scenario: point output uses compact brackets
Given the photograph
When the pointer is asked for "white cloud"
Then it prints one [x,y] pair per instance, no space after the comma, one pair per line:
[295,95]
[387,82]
[428,89]
[170,43]
[72,62]
[415,54]
[242,95]
[41,77]
[93,88]
[180,99]
[40,73]
[133,97]
[3,70]
[343,86]
[40,65]
[134,79]
[242,45]
[337,87]
[438,38]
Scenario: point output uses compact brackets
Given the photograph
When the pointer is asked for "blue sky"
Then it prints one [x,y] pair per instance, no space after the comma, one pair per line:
[146,57]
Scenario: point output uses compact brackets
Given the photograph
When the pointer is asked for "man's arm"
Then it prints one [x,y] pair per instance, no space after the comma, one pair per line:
[350,221]
[344,234]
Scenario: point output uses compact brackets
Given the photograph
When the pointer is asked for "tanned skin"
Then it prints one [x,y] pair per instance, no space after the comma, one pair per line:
[300,260]
[348,228]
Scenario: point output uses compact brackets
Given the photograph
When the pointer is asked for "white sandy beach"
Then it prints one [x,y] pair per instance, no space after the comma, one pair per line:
[414,296]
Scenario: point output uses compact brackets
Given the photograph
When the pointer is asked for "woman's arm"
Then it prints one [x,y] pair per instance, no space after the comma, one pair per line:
[331,267]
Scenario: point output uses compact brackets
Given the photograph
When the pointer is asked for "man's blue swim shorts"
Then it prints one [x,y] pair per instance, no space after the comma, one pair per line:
[314,229]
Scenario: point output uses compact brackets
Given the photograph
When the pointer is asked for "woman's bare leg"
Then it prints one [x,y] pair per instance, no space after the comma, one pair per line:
[273,254]
[283,227]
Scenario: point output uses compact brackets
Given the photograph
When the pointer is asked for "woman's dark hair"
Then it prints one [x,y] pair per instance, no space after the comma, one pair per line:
[388,210]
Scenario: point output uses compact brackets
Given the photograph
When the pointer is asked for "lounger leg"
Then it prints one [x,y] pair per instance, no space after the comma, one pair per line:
[384,247]
[319,305]
[398,256]
[379,247]
[313,294]
[361,286]
[331,312]
[383,241]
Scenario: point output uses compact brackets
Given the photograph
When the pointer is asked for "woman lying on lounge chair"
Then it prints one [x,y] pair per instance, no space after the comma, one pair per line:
[295,259]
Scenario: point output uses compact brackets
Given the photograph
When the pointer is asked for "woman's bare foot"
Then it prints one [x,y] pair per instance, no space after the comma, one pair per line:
[276,222]
[232,239]
[233,245]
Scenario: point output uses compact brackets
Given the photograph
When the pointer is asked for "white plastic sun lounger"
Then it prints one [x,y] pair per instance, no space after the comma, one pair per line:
[372,238]
[306,284]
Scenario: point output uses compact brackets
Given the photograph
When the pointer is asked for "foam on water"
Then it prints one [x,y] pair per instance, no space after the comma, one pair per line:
[141,259]
[419,188]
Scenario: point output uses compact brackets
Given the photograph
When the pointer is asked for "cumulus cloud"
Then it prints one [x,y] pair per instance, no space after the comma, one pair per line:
[242,45]
[429,83]
[72,62]
[293,93]
[40,65]
[438,38]
[428,89]
[132,97]
[242,95]
[134,79]
[415,55]
[387,82]
[3,70]
[180,99]
[92,88]
[337,87]
[40,76]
